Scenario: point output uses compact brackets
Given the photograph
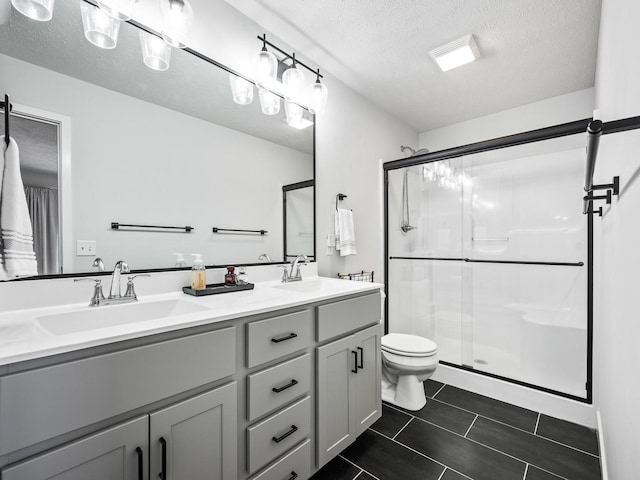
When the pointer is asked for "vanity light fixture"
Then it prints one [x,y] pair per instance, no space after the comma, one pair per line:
[100,28]
[118,9]
[156,53]
[241,89]
[296,116]
[177,22]
[456,53]
[40,10]
[266,66]
[269,101]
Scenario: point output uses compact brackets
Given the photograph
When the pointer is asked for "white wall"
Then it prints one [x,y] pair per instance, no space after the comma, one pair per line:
[129,169]
[545,113]
[617,244]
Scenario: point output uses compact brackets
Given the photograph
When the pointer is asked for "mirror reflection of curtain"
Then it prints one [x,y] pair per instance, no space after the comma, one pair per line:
[43,210]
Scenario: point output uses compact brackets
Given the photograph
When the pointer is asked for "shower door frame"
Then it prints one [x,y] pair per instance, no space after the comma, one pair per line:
[547,133]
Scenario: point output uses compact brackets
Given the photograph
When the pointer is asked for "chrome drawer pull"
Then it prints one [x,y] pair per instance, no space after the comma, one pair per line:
[282,339]
[293,476]
[284,387]
[293,430]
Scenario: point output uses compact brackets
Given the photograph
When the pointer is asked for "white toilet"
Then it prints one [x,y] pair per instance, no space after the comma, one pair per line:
[407,361]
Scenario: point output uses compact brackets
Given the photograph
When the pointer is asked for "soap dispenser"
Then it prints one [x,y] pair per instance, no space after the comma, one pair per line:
[230,277]
[179,260]
[198,273]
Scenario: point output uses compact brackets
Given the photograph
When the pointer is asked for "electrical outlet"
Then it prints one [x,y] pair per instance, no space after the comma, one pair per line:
[85,248]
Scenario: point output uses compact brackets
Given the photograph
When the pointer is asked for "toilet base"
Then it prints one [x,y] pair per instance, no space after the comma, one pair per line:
[408,393]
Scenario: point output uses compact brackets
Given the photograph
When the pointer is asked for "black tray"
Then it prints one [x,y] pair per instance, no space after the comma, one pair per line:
[215,288]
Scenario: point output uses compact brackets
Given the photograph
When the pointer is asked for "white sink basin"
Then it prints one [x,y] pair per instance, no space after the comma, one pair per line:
[113,315]
[313,285]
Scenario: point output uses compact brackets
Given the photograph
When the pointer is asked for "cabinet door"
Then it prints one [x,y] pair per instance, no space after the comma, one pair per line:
[336,364]
[196,439]
[368,401]
[119,453]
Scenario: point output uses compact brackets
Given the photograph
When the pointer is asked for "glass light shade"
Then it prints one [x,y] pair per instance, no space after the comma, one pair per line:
[293,113]
[41,10]
[317,98]
[156,54]
[241,90]
[177,22]
[269,102]
[293,80]
[99,28]
[266,69]
[118,9]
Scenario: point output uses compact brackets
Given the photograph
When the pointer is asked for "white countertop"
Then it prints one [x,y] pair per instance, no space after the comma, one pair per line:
[23,337]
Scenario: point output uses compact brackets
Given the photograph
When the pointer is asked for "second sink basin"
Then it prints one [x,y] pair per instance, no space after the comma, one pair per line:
[114,315]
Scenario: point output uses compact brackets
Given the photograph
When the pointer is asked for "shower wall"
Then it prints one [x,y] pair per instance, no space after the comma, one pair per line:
[495,269]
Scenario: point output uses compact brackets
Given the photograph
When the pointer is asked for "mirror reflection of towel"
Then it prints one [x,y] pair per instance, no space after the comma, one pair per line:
[17,258]
[345,233]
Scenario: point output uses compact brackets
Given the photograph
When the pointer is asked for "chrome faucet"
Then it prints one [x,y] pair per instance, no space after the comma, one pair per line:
[294,274]
[121,267]
[265,257]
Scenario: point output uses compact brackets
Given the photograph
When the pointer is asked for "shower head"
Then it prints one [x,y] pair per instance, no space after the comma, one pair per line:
[422,151]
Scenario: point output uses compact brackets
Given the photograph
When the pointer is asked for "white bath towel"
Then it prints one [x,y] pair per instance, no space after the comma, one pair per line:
[17,257]
[345,233]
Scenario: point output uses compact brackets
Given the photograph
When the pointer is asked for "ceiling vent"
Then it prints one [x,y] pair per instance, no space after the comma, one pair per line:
[456,53]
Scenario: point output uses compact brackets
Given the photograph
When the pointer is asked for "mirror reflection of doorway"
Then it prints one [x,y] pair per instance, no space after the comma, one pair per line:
[38,145]
[299,219]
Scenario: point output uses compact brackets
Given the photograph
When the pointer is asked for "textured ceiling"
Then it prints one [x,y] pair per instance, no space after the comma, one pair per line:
[37,143]
[531,50]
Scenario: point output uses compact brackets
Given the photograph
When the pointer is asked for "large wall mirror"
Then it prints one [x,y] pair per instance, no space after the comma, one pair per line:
[126,144]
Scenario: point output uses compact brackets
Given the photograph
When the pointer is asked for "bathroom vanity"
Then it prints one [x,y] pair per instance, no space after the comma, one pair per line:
[270,383]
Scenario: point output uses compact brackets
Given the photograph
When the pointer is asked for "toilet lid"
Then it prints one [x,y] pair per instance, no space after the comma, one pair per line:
[412,345]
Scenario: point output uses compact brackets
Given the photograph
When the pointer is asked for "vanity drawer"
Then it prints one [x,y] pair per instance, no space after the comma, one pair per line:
[40,404]
[276,386]
[275,337]
[277,434]
[339,318]
[296,464]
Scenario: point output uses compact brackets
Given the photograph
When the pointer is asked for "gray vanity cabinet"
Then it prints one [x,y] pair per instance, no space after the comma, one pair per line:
[348,394]
[196,439]
[119,453]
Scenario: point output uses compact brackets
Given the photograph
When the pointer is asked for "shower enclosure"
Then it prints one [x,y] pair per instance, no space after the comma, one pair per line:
[488,255]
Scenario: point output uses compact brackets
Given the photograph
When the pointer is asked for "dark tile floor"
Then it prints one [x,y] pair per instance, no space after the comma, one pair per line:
[463,435]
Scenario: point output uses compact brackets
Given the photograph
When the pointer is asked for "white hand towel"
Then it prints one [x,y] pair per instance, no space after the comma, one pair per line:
[346,238]
[17,257]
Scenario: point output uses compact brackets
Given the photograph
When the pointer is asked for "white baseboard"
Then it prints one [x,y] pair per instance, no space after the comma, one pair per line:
[552,405]
[603,456]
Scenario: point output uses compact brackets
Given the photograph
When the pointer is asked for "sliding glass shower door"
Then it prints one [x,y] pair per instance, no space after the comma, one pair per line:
[487,257]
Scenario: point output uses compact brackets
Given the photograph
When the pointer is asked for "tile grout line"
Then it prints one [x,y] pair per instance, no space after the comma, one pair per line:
[421,454]
[501,423]
[442,474]
[526,469]
[405,426]
[535,430]
[357,466]
[469,429]
[439,390]
[359,473]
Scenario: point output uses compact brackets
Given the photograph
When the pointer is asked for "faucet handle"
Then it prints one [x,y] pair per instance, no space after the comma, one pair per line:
[131,290]
[98,296]
[285,275]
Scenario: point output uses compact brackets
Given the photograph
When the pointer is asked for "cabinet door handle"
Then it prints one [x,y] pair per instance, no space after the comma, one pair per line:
[293,430]
[140,465]
[355,361]
[282,339]
[284,387]
[293,476]
[361,364]
[163,473]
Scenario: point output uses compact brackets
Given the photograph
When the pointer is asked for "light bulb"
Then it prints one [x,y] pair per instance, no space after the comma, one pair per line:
[293,113]
[40,10]
[99,28]
[317,98]
[266,68]
[241,90]
[155,51]
[269,102]
[177,22]
[293,80]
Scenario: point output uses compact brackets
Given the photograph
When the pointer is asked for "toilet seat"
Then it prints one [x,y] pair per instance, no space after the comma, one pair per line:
[408,345]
